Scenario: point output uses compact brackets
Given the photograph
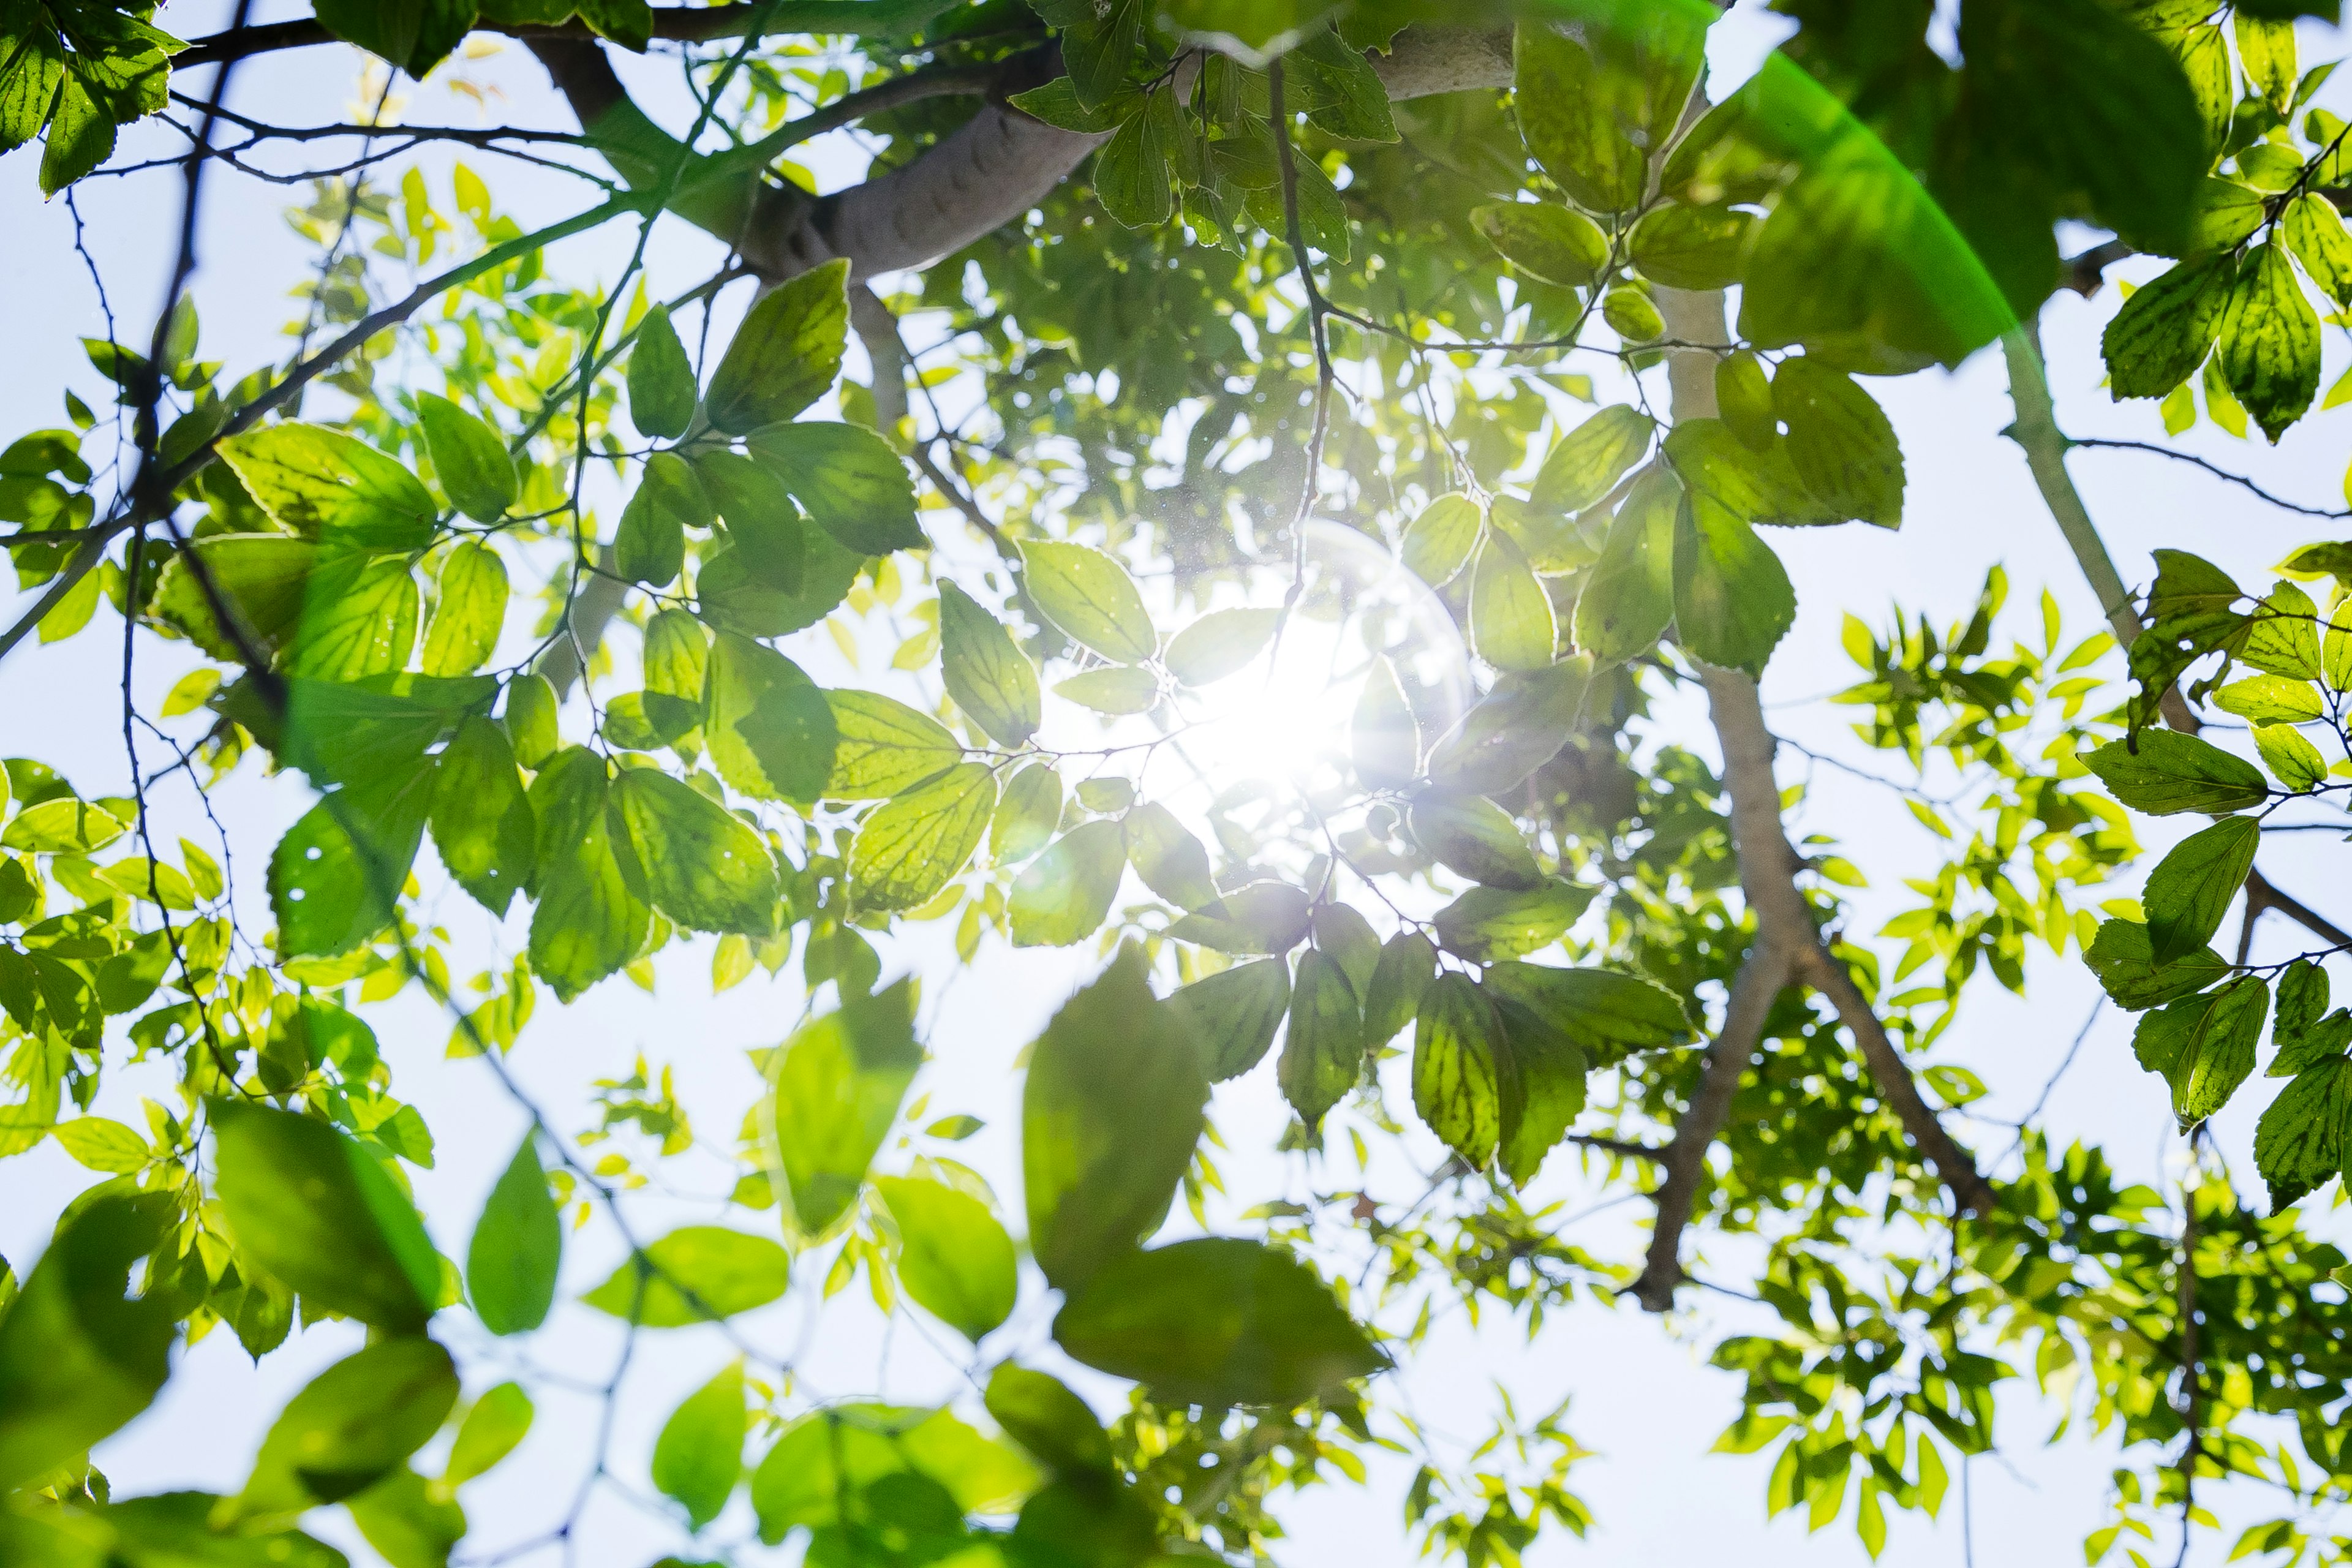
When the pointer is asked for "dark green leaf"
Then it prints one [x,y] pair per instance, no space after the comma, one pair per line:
[1733,602]
[265,577]
[1131,172]
[1408,963]
[696,1274]
[334,878]
[1544,1089]
[592,917]
[699,1457]
[1108,1118]
[786,353]
[954,1258]
[2164,330]
[2204,1045]
[2191,887]
[2162,772]
[2299,1143]
[828,1463]
[1571,112]
[415,34]
[1627,601]
[469,460]
[517,1246]
[351,1424]
[1234,1013]
[1841,443]
[1323,1052]
[662,390]
[763,522]
[1063,896]
[1216,1321]
[838,1084]
[1691,248]
[1042,1415]
[2123,959]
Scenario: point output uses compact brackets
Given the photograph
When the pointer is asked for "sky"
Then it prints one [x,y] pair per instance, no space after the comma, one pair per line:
[1642,1398]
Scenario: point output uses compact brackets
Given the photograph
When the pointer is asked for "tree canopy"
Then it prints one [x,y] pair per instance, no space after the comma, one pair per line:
[1290,490]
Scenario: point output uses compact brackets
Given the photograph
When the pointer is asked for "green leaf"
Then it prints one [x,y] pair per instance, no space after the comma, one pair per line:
[2299,1143]
[1472,835]
[850,481]
[313,1209]
[2270,699]
[2270,341]
[1384,736]
[628,23]
[470,613]
[884,747]
[482,820]
[518,1248]
[1456,1075]
[469,460]
[763,522]
[1697,248]
[1349,937]
[1487,923]
[498,1422]
[1234,1013]
[910,847]
[2171,773]
[2284,637]
[1438,543]
[1040,1413]
[1114,689]
[1027,815]
[1544,1090]
[696,1274]
[336,875]
[1733,602]
[2204,1045]
[1840,442]
[705,868]
[1252,31]
[590,918]
[1551,243]
[2191,887]
[2292,759]
[1585,465]
[359,619]
[529,720]
[650,546]
[1058,105]
[327,486]
[353,1424]
[1063,896]
[1109,1115]
[415,34]
[662,390]
[408,1521]
[699,1457]
[1091,599]
[264,576]
[1571,111]
[954,1258]
[989,678]
[1264,917]
[1743,398]
[786,356]
[1512,623]
[1323,1052]
[1517,728]
[1627,601]
[65,825]
[2164,330]
[1221,643]
[838,1084]
[2124,960]
[2315,233]
[1408,963]
[1216,1321]
[1607,1014]
[77,1360]
[828,1463]
[1170,861]
[1723,475]
[1131,172]
[772,734]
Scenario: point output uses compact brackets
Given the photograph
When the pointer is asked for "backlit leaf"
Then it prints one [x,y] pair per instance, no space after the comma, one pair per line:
[704,866]
[699,1457]
[517,1246]
[954,1258]
[696,1274]
[1456,1084]
[838,1084]
[988,677]
[1089,596]
[469,458]
[1323,1052]
[2191,888]
[1218,644]
[1063,896]
[786,353]
[662,391]
[1234,1013]
[912,846]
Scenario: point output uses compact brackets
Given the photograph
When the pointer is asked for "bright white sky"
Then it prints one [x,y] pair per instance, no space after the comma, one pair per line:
[1644,1396]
